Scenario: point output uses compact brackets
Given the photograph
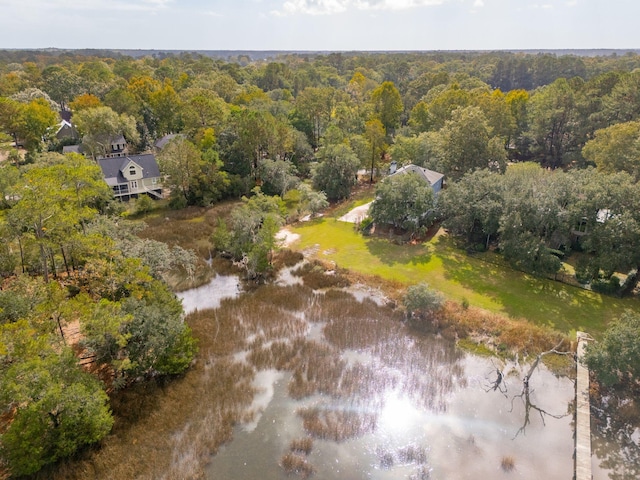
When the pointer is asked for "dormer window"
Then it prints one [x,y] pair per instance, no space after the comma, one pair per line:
[132,171]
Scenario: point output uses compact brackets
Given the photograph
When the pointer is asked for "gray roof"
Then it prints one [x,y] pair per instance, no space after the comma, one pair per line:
[112,167]
[72,149]
[162,142]
[428,175]
[118,140]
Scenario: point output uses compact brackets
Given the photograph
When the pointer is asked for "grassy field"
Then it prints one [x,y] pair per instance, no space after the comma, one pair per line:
[483,283]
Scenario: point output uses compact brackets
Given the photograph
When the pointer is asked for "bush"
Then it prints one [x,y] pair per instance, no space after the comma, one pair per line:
[144,204]
[421,303]
[177,202]
[607,287]
[585,272]
[366,225]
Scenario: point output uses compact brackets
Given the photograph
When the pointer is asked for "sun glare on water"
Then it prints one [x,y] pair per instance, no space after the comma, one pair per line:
[398,414]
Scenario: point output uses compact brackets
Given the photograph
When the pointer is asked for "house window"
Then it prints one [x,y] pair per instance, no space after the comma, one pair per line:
[134,185]
[132,171]
[154,180]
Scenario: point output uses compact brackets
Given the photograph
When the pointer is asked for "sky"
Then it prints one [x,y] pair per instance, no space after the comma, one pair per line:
[320,25]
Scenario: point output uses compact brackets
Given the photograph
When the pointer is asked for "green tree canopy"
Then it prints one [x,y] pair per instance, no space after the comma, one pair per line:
[616,358]
[336,173]
[58,406]
[405,201]
[99,126]
[616,148]
[388,105]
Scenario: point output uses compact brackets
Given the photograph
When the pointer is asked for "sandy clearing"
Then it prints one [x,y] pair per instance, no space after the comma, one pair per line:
[357,214]
[287,237]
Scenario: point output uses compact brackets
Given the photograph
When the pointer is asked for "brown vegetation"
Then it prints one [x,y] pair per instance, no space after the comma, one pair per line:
[302,445]
[508,464]
[317,275]
[502,334]
[168,429]
[287,258]
[337,425]
[294,463]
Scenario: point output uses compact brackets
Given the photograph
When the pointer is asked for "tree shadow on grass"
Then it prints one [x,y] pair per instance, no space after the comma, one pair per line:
[391,254]
[544,302]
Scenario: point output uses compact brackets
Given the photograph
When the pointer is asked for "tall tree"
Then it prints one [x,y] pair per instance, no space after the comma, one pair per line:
[337,171]
[388,105]
[99,126]
[181,162]
[315,105]
[552,120]
[616,149]
[405,201]
[468,144]
[374,133]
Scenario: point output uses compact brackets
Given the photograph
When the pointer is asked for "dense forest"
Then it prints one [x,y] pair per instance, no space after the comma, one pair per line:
[541,156]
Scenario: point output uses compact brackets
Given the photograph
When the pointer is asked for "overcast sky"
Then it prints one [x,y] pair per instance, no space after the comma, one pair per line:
[320,24]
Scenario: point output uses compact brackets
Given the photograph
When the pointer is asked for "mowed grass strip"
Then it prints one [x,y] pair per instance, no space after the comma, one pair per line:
[459,276]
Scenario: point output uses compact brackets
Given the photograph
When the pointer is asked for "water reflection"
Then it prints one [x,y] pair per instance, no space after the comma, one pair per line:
[211,294]
[374,400]
[615,439]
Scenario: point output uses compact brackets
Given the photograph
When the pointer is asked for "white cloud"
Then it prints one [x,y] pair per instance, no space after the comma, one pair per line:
[315,7]
[327,7]
[572,3]
[478,3]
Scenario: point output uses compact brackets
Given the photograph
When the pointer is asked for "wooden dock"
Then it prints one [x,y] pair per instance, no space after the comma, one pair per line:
[583,414]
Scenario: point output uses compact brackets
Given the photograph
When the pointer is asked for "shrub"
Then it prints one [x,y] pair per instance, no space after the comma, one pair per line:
[143,204]
[615,359]
[177,202]
[366,225]
[421,303]
[607,287]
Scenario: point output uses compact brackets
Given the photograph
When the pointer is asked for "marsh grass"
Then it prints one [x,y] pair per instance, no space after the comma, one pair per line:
[295,463]
[169,429]
[479,349]
[405,455]
[302,445]
[500,334]
[319,275]
[508,464]
[189,228]
[290,298]
[337,425]
[287,258]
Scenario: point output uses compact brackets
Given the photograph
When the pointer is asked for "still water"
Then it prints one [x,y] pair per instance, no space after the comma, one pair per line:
[468,440]
[446,416]
[454,426]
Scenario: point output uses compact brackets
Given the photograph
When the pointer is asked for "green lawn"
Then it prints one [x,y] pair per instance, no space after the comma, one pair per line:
[458,276]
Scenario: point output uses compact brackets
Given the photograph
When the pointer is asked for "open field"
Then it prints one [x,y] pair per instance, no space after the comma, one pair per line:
[482,282]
